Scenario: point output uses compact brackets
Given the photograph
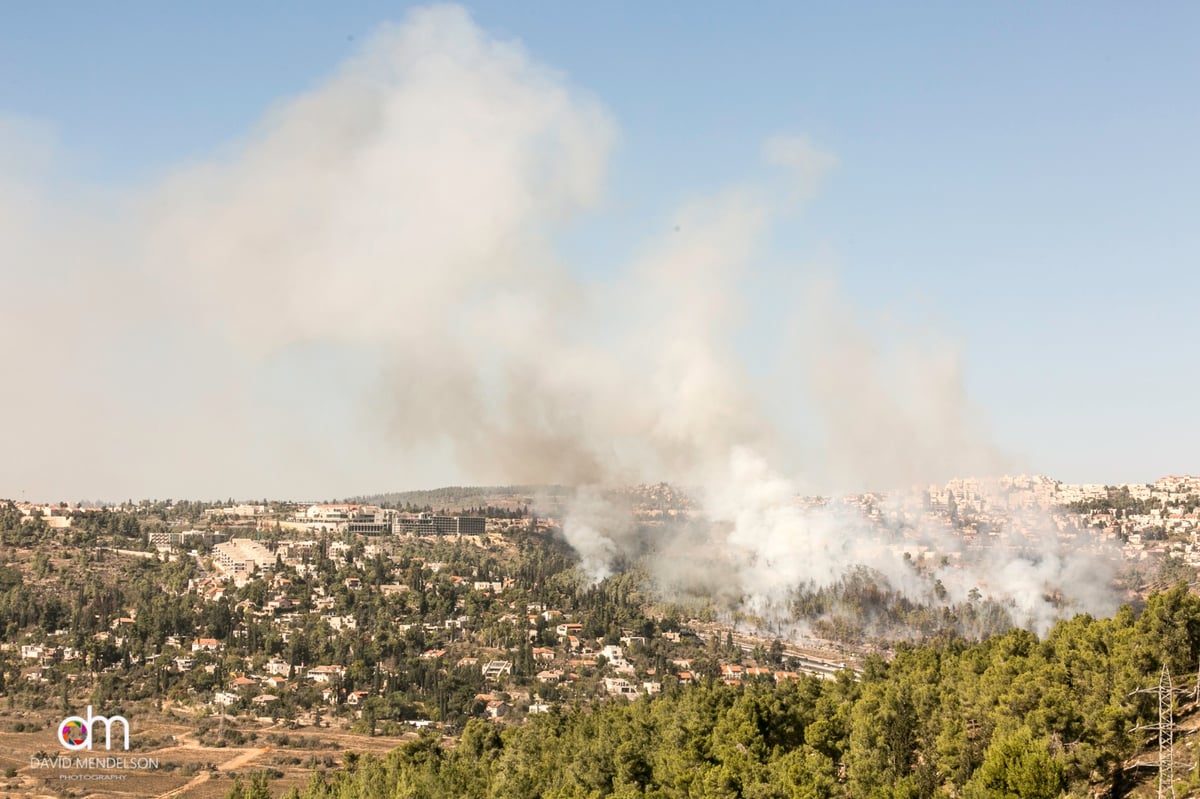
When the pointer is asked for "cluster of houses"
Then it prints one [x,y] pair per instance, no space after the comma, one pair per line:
[575,662]
[1017,512]
[984,512]
[599,668]
[278,676]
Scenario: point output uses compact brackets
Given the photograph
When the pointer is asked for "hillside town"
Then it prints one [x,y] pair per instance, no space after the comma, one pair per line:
[374,617]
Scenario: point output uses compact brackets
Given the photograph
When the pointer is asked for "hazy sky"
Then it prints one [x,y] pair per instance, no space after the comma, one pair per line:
[1020,182]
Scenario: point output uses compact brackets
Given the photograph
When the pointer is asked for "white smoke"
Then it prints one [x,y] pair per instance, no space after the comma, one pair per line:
[404,216]
[599,530]
[754,544]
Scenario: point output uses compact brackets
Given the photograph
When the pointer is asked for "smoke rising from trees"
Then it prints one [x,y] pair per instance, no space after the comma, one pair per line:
[406,214]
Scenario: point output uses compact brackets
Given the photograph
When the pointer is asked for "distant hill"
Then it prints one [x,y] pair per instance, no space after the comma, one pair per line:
[547,497]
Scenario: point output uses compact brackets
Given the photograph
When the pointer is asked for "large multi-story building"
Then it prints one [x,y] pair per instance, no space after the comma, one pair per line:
[239,557]
[367,519]
[370,520]
[373,520]
[1068,493]
[429,524]
[165,539]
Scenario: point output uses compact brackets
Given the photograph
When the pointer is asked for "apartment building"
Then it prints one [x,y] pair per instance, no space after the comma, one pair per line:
[240,557]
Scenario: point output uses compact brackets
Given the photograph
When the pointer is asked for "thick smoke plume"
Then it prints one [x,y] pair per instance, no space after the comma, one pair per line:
[394,234]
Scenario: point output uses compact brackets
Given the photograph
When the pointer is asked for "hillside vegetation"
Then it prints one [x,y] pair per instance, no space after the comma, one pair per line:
[1012,716]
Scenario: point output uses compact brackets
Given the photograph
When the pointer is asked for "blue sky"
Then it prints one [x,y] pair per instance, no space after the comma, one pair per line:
[1022,177]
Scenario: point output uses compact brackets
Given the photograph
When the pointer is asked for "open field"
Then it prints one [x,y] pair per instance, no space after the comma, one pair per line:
[184,767]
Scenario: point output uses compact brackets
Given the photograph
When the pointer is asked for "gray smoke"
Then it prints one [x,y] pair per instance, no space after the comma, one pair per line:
[385,247]
[754,544]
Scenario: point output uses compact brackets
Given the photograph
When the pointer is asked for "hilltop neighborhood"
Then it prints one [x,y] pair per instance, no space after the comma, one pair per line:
[379,616]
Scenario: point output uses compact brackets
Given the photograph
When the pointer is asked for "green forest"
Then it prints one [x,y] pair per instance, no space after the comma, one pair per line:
[1012,716]
[971,709]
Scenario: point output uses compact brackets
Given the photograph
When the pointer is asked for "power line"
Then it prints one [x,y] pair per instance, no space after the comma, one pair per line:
[1165,727]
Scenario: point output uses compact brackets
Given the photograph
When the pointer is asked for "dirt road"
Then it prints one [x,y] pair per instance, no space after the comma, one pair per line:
[244,759]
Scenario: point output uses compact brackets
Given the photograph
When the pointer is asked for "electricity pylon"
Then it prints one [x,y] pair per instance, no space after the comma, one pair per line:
[1166,731]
